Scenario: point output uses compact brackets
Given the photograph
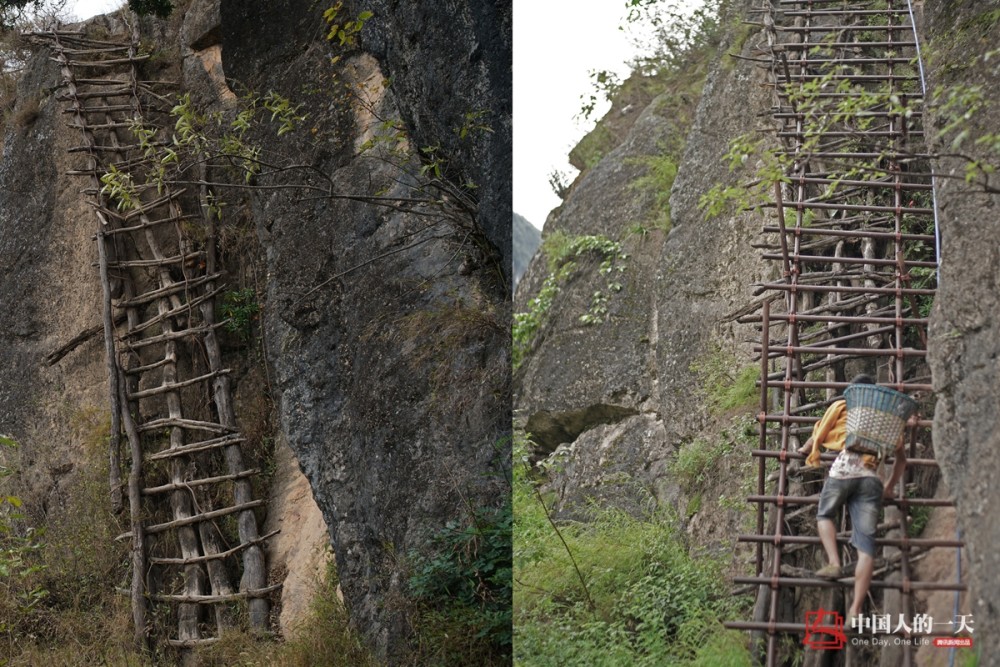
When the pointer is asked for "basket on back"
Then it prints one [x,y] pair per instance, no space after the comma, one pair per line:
[876,417]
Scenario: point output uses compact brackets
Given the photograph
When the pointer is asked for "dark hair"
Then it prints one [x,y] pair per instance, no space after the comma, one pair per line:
[862,379]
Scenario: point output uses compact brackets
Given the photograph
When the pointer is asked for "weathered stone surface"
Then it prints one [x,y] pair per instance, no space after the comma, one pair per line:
[450,65]
[48,293]
[621,396]
[302,548]
[202,25]
[604,467]
[964,345]
[388,330]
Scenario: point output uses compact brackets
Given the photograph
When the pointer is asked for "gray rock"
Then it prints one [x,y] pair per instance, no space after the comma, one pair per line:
[388,330]
[202,25]
[450,65]
[964,345]
[619,397]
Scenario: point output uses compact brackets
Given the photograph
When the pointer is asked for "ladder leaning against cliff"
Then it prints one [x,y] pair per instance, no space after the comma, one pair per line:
[158,266]
[848,99]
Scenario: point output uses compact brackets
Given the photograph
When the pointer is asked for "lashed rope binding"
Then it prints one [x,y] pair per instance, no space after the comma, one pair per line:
[185,462]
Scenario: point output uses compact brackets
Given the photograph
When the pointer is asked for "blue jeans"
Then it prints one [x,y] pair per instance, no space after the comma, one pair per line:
[863,497]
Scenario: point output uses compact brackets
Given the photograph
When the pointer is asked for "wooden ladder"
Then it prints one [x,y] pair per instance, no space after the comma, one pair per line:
[171,395]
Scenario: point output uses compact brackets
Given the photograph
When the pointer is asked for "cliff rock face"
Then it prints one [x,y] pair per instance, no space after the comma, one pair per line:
[383,272]
[450,65]
[618,399]
[45,224]
[387,328]
[964,345]
[622,396]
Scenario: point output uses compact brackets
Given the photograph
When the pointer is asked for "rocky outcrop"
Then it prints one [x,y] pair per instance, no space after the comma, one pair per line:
[387,327]
[451,73]
[964,344]
[620,397]
[385,299]
[44,224]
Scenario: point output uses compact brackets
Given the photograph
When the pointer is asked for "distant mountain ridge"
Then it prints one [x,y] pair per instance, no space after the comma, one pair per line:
[527,238]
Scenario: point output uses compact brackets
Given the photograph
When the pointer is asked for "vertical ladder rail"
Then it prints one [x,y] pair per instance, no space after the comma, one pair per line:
[846,271]
[158,373]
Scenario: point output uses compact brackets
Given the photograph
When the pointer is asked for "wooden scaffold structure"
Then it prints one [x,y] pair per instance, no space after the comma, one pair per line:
[171,397]
[854,240]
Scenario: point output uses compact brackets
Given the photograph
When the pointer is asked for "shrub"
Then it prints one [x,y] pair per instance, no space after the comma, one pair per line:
[161,8]
[462,587]
[241,309]
[648,600]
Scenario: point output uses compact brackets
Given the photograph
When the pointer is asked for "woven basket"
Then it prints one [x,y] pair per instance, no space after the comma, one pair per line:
[876,417]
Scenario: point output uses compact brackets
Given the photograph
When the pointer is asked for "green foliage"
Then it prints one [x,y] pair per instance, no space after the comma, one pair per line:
[199,138]
[119,187]
[661,170]
[671,35]
[462,585]
[561,252]
[968,657]
[700,463]
[593,147]
[473,122]
[241,310]
[726,384]
[693,462]
[345,31]
[983,22]
[678,32]
[605,85]
[72,569]
[19,562]
[283,112]
[161,8]
[654,602]
[769,168]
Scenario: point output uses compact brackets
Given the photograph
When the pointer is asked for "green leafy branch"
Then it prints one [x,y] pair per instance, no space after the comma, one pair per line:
[562,252]
[343,30]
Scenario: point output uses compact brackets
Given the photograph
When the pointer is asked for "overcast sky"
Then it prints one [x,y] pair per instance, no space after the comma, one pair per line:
[84,9]
[556,44]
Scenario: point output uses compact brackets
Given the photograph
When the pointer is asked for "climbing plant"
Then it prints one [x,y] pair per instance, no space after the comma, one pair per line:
[562,252]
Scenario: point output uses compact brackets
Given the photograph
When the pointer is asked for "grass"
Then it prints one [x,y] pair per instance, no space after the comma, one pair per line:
[325,638]
[727,385]
[661,170]
[68,589]
[647,599]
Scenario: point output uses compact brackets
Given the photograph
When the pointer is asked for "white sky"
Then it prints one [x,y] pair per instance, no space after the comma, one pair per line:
[84,9]
[556,44]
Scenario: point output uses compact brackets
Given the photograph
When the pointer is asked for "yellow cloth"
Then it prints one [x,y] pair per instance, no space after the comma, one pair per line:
[830,432]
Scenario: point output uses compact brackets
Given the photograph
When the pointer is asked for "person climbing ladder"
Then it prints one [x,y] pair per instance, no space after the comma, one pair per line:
[854,481]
